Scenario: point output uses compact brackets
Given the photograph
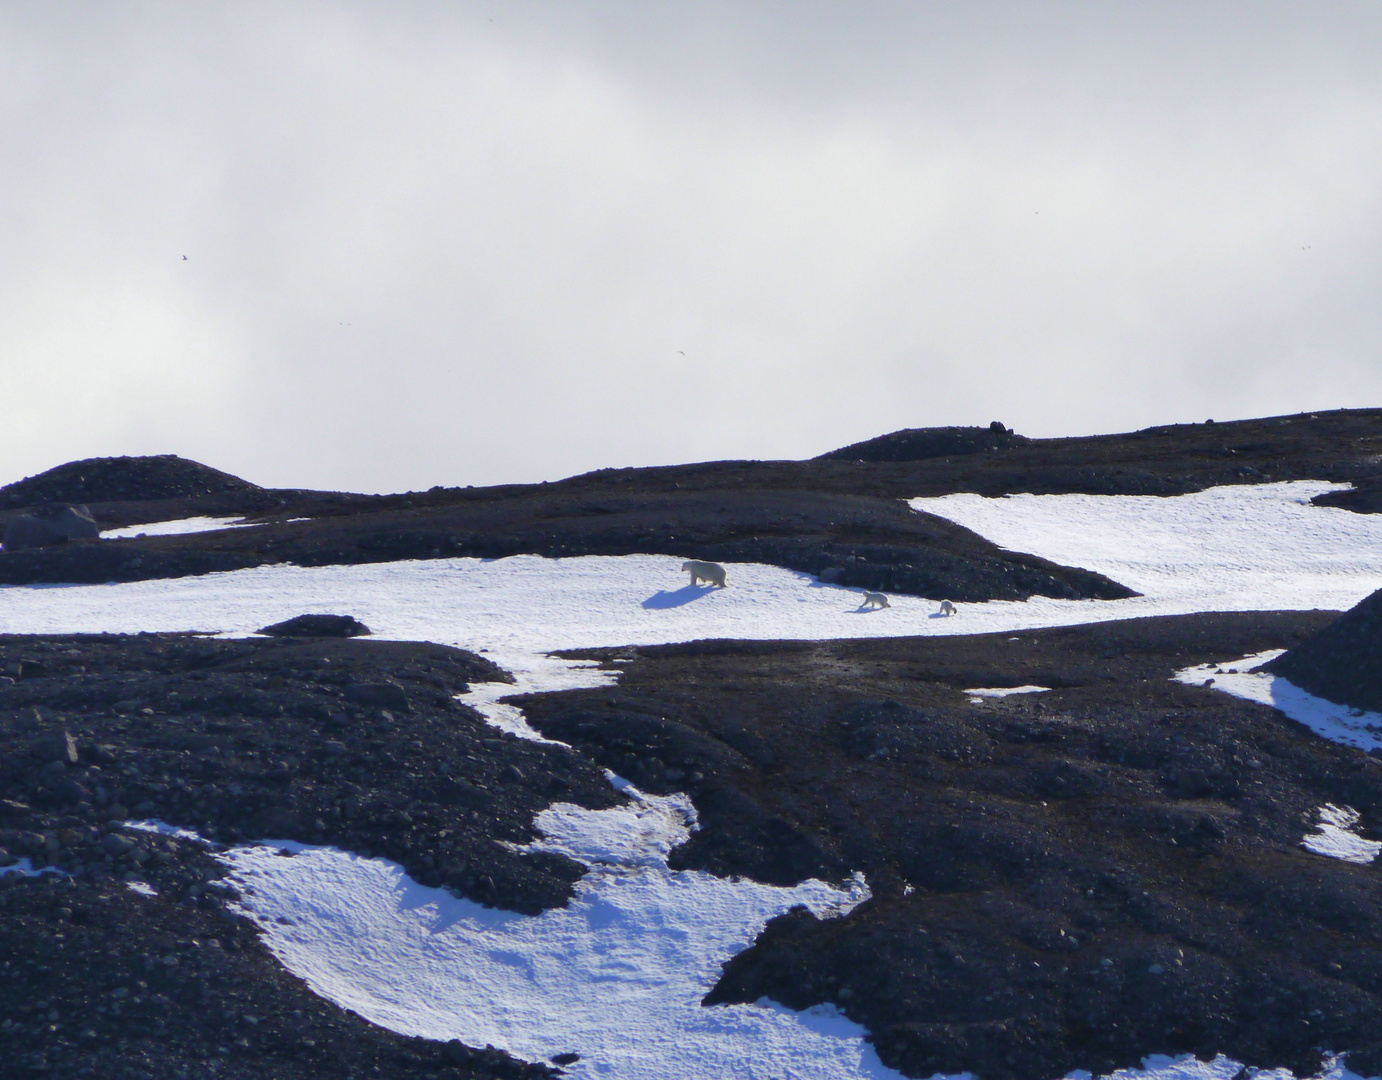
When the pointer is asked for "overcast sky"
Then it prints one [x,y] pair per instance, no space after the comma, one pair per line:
[484,242]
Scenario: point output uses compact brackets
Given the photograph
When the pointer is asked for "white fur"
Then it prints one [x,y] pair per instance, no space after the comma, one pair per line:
[875,600]
[947,608]
[705,571]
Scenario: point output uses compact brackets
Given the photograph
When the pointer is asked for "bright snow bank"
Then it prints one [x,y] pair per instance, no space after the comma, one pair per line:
[617,976]
[1233,548]
[1338,723]
[1186,1067]
[173,528]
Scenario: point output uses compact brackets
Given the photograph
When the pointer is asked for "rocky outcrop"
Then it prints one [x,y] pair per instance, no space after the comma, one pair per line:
[50,525]
[919,444]
[317,626]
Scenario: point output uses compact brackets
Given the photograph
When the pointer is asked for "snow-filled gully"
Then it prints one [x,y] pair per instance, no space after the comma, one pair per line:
[618,975]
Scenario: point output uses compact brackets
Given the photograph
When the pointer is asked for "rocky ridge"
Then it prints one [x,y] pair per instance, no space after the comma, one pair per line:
[837,515]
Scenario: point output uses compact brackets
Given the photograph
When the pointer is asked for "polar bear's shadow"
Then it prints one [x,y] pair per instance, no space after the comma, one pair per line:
[662,599]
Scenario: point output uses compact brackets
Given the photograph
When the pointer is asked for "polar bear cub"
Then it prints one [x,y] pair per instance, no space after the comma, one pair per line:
[705,571]
[875,600]
[947,608]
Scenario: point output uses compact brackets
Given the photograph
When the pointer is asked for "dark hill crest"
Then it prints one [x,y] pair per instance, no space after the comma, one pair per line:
[122,479]
[922,444]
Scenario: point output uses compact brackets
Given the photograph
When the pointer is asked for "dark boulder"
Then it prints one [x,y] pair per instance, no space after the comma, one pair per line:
[1343,662]
[50,525]
[342,626]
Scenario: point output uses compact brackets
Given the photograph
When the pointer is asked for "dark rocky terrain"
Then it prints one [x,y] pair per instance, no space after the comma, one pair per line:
[1065,880]
[836,514]
[1343,662]
[349,742]
[1071,879]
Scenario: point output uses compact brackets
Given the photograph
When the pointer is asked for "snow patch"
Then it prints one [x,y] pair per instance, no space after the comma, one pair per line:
[1338,723]
[175,528]
[24,867]
[1188,1067]
[1005,691]
[153,825]
[1336,839]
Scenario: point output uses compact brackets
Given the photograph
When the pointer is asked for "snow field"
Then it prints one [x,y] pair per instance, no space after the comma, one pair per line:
[1226,549]
[1232,548]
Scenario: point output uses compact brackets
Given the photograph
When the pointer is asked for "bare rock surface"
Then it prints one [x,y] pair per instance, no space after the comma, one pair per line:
[921,444]
[129,479]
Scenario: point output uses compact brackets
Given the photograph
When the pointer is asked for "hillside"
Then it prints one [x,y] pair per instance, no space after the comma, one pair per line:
[828,514]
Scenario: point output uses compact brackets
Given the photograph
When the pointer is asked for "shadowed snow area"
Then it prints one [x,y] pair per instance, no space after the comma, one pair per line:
[173,528]
[1338,723]
[619,974]
[1333,836]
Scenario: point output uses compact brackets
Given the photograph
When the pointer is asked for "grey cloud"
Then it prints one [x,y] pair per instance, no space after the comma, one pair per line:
[427,247]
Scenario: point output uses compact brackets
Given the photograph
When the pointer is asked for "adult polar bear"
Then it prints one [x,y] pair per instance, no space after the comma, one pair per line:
[705,571]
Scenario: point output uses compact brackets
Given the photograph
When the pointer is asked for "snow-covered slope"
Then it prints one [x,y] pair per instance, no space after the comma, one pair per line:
[1224,549]
[617,976]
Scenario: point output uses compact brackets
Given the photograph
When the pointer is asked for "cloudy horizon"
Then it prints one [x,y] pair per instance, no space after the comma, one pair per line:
[381,247]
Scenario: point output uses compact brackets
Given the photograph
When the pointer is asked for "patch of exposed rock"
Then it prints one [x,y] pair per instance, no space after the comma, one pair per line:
[50,525]
[355,743]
